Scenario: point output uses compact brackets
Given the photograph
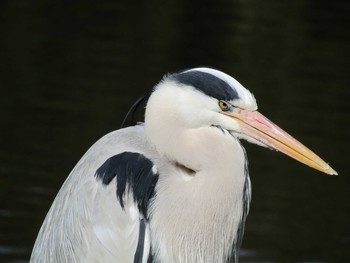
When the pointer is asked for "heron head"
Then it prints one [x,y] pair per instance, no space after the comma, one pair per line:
[207,97]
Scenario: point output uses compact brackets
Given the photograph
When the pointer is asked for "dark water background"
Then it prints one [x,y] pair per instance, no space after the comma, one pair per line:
[69,70]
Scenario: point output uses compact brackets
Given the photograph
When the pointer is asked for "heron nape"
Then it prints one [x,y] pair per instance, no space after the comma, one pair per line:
[174,188]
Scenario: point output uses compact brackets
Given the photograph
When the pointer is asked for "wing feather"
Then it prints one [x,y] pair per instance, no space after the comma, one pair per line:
[86,222]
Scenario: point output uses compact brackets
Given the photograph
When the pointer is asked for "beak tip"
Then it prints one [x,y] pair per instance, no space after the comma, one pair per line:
[329,170]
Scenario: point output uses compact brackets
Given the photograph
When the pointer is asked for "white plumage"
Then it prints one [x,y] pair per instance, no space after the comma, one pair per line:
[175,189]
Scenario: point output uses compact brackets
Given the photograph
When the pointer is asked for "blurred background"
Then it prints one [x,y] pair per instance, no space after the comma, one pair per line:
[69,71]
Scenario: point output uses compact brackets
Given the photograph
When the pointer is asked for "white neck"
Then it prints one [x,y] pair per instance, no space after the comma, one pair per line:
[197,214]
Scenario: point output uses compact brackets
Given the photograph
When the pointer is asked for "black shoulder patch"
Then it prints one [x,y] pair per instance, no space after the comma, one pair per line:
[133,172]
[207,83]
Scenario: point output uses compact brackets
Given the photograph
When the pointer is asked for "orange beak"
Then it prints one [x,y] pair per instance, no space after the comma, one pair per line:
[258,127]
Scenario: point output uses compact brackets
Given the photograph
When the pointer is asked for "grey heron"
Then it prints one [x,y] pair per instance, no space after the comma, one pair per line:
[172,189]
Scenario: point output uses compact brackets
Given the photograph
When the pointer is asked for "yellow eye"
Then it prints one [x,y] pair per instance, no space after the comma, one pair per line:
[224,106]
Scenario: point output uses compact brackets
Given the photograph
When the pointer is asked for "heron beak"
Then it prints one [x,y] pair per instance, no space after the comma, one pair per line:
[258,127]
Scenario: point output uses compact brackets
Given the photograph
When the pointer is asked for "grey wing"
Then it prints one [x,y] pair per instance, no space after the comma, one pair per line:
[100,213]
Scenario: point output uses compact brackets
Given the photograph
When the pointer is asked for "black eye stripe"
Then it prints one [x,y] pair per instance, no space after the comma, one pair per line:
[208,84]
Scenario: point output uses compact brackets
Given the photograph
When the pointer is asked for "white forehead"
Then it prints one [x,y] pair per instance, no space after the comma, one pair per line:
[246,101]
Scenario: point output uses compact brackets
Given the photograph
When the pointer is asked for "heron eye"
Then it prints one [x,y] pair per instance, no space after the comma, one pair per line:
[224,105]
